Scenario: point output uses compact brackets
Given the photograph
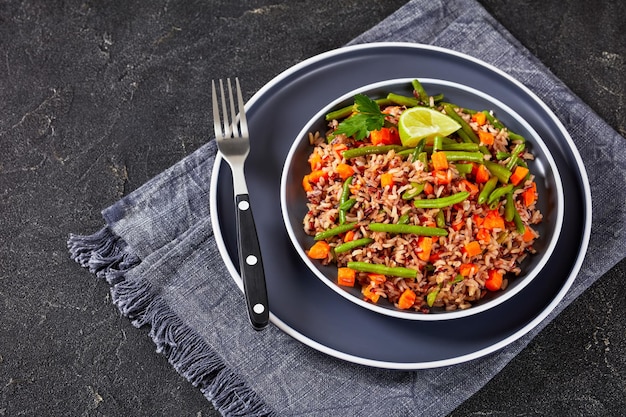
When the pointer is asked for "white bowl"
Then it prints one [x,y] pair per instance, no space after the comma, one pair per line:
[549,187]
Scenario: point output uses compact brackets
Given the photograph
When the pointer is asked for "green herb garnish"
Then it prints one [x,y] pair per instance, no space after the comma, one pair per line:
[367,118]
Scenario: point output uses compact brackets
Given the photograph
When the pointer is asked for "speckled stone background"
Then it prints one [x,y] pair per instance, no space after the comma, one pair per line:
[96,99]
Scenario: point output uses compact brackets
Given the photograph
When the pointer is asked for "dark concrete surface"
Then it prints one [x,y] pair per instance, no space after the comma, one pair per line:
[98,97]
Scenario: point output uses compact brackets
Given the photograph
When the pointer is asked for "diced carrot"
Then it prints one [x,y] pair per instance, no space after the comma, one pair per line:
[407,299]
[472,248]
[494,280]
[319,250]
[458,225]
[528,235]
[377,278]
[346,277]
[480,118]
[478,220]
[518,175]
[306,184]
[483,234]
[440,161]
[349,236]
[385,136]
[315,160]
[386,179]
[486,138]
[344,171]
[530,195]
[425,244]
[428,188]
[469,186]
[493,220]
[315,176]
[370,295]
[379,137]
[467,269]
[482,174]
[442,177]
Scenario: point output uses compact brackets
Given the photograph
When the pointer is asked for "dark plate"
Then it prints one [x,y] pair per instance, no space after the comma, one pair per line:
[309,310]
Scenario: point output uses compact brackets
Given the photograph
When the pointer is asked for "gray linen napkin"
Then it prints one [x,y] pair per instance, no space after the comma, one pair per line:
[158,252]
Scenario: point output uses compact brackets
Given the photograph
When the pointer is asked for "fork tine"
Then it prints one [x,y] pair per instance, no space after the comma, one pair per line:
[243,122]
[227,126]
[216,112]
[233,112]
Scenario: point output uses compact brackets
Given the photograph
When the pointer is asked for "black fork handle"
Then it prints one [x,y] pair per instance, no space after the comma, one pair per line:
[251,264]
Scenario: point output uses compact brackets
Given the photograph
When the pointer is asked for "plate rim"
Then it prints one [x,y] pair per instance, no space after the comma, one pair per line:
[559,296]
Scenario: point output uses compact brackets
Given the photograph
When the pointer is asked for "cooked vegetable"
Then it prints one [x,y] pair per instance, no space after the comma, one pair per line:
[346,277]
[407,299]
[407,229]
[319,250]
[494,282]
[335,231]
[383,270]
[369,150]
[348,246]
[442,201]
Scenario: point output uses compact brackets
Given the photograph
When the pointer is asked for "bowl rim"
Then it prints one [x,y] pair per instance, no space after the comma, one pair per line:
[416,315]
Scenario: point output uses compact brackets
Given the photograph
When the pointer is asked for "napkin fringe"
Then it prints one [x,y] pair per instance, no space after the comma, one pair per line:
[104,254]
[108,257]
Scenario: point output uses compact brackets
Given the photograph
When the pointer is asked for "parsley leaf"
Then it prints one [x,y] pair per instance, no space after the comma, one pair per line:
[367,118]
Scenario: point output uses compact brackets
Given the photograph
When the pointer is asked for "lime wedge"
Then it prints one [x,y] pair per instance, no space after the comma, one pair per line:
[417,123]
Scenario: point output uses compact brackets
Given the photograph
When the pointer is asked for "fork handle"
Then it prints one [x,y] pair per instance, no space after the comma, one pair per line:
[251,264]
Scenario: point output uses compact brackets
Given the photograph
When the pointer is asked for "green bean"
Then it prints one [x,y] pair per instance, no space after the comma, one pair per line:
[431,297]
[498,170]
[440,219]
[437,143]
[436,98]
[407,229]
[519,224]
[464,156]
[345,190]
[371,150]
[347,205]
[488,188]
[467,147]
[496,123]
[514,137]
[500,155]
[421,92]
[457,279]
[334,231]
[411,193]
[464,168]
[343,198]
[441,202]
[509,208]
[397,271]
[404,219]
[498,193]
[515,156]
[353,244]
[418,149]
[402,100]
[464,126]
[492,120]
[423,158]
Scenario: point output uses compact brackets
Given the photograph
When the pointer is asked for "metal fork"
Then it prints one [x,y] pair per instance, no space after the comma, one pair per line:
[233,142]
